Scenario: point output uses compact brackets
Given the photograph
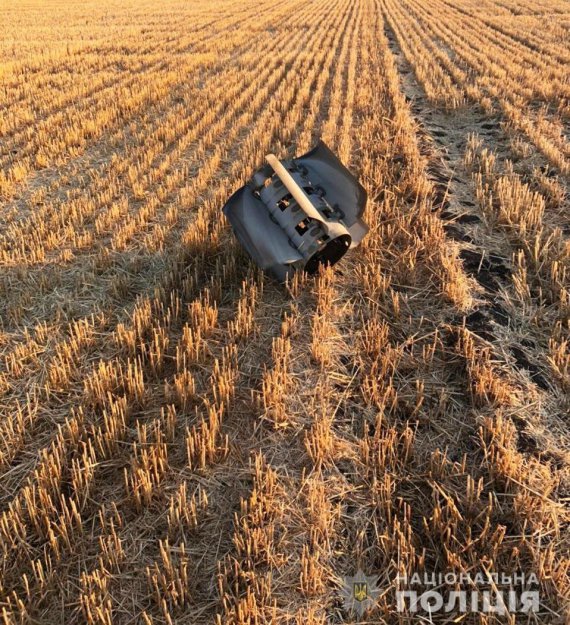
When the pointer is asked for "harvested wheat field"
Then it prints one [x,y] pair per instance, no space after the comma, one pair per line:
[185,440]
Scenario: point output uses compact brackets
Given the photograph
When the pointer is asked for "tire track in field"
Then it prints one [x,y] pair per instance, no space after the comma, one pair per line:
[472,53]
[487,254]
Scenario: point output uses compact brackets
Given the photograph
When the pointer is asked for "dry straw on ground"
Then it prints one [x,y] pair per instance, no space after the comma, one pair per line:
[184,441]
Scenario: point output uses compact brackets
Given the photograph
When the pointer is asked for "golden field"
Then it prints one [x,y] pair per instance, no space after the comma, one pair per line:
[182,440]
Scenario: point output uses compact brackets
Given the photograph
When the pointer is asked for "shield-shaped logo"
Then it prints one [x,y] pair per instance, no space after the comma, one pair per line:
[360,590]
